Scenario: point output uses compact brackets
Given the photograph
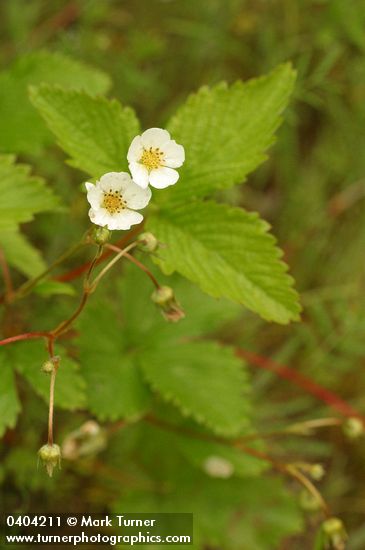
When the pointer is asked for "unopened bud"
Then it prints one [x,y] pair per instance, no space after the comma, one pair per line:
[147,242]
[334,533]
[50,456]
[316,471]
[101,235]
[353,428]
[164,298]
[49,366]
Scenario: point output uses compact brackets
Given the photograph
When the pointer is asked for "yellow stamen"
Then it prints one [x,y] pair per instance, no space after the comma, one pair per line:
[152,158]
[113,202]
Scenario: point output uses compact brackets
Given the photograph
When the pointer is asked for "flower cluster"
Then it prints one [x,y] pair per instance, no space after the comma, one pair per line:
[115,198]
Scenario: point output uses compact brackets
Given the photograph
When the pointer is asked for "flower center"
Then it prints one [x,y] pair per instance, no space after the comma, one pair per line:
[113,202]
[152,158]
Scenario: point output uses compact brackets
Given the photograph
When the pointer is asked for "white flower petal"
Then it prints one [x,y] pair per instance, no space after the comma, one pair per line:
[163,177]
[135,149]
[99,216]
[136,197]
[124,220]
[113,181]
[94,195]
[155,137]
[174,154]
[139,174]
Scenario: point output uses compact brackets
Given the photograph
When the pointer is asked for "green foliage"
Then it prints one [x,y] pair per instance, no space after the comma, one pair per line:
[228,252]
[19,253]
[22,195]
[27,358]
[203,380]
[226,130]
[95,132]
[9,402]
[226,511]
[21,128]
[140,345]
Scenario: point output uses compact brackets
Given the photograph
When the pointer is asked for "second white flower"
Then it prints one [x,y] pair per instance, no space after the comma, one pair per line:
[153,157]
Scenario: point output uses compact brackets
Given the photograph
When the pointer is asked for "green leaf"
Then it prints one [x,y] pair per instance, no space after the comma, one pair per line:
[20,254]
[9,402]
[227,252]
[22,195]
[115,388]
[28,358]
[204,380]
[95,132]
[199,451]
[50,288]
[21,128]
[226,130]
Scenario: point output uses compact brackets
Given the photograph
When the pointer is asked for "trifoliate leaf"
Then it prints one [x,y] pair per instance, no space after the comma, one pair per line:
[9,402]
[28,357]
[204,380]
[22,195]
[21,128]
[20,254]
[95,132]
[226,130]
[227,252]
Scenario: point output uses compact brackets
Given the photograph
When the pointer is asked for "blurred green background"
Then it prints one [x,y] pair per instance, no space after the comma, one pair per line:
[311,189]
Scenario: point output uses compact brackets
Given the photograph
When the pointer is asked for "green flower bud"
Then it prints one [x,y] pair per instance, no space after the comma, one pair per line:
[147,242]
[316,471]
[50,456]
[101,235]
[353,428]
[334,533]
[47,367]
[164,298]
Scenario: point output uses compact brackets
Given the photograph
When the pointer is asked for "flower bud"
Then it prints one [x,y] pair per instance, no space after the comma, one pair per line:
[147,242]
[101,235]
[353,428]
[334,533]
[164,298]
[316,471]
[50,456]
[47,367]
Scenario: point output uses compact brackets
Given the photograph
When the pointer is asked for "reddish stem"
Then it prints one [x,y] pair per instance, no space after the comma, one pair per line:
[304,382]
[78,271]
[25,336]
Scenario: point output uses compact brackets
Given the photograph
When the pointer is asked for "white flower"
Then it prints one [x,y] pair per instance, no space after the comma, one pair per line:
[152,158]
[114,199]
